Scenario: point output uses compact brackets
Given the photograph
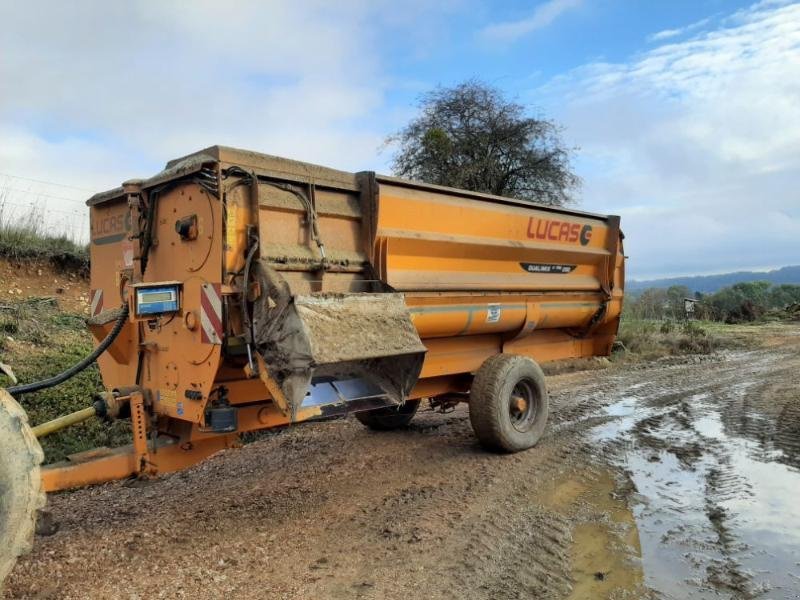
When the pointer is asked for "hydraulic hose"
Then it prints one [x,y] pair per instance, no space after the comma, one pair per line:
[36,386]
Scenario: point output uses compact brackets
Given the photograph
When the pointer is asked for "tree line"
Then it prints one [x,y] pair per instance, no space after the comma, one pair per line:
[738,303]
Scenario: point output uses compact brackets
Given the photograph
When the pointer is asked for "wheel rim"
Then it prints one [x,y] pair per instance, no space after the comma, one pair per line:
[523,405]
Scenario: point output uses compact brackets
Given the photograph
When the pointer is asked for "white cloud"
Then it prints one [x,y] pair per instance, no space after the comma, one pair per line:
[697,144]
[543,15]
[96,92]
[666,34]
[162,78]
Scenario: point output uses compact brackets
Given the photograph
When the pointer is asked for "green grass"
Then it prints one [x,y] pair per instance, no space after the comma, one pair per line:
[44,342]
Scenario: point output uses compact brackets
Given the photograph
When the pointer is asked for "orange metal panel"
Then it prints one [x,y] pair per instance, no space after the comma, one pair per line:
[117,464]
[453,355]
[445,242]
[175,457]
[480,275]
[175,359]
[120,463]
[437,386]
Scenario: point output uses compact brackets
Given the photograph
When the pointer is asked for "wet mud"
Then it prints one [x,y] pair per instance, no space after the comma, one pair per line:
[672,479]
[712,455]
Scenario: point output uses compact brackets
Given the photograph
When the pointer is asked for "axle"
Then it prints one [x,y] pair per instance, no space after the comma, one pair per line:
[108,405]
[60,423]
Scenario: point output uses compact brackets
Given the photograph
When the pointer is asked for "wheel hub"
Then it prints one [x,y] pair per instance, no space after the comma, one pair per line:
[522,406]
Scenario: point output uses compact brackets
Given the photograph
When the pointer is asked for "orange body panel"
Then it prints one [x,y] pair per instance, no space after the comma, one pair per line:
[481,275]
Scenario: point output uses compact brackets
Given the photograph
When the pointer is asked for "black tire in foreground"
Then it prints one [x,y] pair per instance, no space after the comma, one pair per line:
[21,494]
[392,417]
[508,404]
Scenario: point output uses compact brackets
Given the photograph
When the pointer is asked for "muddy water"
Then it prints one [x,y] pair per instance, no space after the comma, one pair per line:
[715,476]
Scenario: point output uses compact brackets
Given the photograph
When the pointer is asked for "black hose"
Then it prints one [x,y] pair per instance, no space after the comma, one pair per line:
[36,386]
[248,321]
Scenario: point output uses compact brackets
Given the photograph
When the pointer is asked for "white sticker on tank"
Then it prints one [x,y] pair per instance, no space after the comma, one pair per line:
[127,253]
[493,313]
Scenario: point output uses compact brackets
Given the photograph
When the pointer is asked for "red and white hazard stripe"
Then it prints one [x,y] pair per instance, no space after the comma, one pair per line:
[96,306]
[211,313]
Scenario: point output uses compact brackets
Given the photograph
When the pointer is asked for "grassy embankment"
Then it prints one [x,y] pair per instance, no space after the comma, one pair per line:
[38,339]
[24,238]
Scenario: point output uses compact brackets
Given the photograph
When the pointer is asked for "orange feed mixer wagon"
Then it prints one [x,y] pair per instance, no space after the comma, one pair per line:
[237,291]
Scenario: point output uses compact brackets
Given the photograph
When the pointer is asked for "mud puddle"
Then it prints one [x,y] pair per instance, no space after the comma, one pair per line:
[715,500]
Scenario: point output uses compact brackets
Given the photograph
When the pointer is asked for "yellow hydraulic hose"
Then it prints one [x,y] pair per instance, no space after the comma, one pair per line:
[63,422]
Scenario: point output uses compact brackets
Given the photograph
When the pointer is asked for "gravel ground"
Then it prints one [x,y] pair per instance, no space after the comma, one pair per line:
[639,489]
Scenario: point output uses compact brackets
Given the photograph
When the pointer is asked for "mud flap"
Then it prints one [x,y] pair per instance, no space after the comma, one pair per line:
[340,352]
[20,483]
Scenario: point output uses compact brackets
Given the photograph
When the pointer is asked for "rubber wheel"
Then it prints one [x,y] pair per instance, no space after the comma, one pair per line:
[20,483]
[391,417]
[508,404]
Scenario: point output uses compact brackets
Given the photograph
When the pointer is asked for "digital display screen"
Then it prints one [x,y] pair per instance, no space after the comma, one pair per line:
[156,296]
[158,300]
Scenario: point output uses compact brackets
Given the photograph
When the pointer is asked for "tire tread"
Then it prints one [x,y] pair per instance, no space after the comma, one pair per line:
[488,397]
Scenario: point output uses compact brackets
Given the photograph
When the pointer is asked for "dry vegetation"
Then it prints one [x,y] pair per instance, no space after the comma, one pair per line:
[647,339]
[23,237]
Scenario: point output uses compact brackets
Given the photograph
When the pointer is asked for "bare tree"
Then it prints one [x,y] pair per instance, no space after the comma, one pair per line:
[470,136]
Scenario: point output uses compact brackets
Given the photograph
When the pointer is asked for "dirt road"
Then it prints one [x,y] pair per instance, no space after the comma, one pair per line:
[674,479]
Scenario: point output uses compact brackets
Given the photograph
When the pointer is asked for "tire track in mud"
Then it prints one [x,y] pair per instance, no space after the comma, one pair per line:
[693,437]
[324,511]
[330,510]
[513,549]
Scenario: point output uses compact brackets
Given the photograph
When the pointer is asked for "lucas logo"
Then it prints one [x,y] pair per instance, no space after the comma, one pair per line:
[559,231]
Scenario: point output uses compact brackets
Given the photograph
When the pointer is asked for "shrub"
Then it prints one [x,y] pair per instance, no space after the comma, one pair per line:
[651,339]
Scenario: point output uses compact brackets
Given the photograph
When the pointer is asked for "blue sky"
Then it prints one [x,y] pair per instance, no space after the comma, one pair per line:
[576,33]
[686,114]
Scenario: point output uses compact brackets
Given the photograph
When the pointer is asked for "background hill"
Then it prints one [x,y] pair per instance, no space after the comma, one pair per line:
[712,283]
